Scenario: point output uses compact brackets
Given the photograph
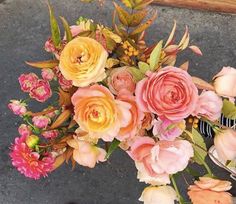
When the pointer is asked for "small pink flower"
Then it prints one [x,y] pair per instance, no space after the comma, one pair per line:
[49,46]
[64,83]
[41,121]
[31,164]
[209,105]
[168,130]
[27,81]
[121,79]
[24,130]
[51,134]
[75,30]
[41,91]
[48,74]
[17,107]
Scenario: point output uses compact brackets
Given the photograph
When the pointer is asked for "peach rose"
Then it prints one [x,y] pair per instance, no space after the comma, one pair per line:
[98,113]
[225,82]
[210,191]
[209,105]
[83,61]
[169,92]
[121,79]
[225,144]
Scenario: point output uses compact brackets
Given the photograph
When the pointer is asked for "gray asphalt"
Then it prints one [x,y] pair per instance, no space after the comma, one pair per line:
[24,27]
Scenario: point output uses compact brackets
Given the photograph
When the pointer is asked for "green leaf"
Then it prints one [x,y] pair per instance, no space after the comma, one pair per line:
[114,145]
[193,172]
[123,15]
[55,30]
[144,67]
[142,4]
[67,29]
[229,109]
[200,153]
[137,74]
[155,56]
[138,17]
[128,3]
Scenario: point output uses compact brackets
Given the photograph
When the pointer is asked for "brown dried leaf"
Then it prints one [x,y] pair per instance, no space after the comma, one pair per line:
[48,64]
[171,48]
[196,50]
[59,161]
[124,17]
[171,36]
[184,38]
[68,153]
[61,119]
[64,98]
[184,66]
[138,17]
[201,84]
[143,4]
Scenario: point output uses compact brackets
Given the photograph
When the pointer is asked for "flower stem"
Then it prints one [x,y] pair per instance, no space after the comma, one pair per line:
[180,198]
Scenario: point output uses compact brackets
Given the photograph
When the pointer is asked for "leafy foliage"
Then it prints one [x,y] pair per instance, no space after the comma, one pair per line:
[229,109]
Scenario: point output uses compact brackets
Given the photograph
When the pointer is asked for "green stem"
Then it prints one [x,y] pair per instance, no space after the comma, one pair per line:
[203,162]
[180,198]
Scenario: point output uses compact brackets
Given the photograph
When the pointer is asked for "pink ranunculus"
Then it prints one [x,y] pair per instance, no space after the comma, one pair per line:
[224,82]
[41,121]
[169,93]
[209,105]
[49,46]
[168,130]
[27,81]
[47,74]
[51,134]
[162,157]
[41,91]
[17,107]
[121,79]
[64,83]
[24,130]
[225,144]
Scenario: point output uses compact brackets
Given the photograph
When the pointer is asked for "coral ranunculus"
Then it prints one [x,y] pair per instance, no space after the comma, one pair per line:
[210,191]
[98,113]
[169,92]
[83,61]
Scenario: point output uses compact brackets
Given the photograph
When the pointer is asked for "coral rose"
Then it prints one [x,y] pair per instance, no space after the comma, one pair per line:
[98,113]
[210,191]
[159,195]
[83,61]
[225,82]
[169,92]
[225,144]
[209,105]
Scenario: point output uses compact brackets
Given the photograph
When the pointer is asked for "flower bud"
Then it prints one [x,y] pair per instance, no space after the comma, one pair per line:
[32,141]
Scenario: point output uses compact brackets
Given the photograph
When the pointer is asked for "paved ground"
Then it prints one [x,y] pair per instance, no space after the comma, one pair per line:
[23,30]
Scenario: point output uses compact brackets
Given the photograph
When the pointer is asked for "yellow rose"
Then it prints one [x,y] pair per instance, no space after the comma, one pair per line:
[83,61]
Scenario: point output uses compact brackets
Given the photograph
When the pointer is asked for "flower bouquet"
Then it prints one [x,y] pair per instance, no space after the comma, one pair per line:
[112,90]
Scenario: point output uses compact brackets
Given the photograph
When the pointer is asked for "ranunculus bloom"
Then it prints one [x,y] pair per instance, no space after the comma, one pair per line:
[209,105]
[50,134]
[47,74]
[169,92]
[29,163]
[224,82]
[121,79]
[131,129]
[85,153]
[210,191]
[225,144]
[83,61]
[27,81]
[64,83]
[162,157]
[17,107]
[168,130]
[24,130]
[159,195]
[98,113]
[41,91]
[41,121]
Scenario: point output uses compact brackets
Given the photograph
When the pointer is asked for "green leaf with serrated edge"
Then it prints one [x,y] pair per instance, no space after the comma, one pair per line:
[55,30]
[114,145]
[137,74]
[123,15]
[67,29]
[229,109]
[143,67]
[199,153]
[155,56]
[138,17]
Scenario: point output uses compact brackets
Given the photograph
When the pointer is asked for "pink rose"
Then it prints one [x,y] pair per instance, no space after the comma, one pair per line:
[47,74]
[121,79]
[27,81]
[41,121]
[41,91]
[209,105]
[24,130]
[17,107]
[225,144]
[168,130]
[51,134]
[169,93]
[224,82]
[162,157]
